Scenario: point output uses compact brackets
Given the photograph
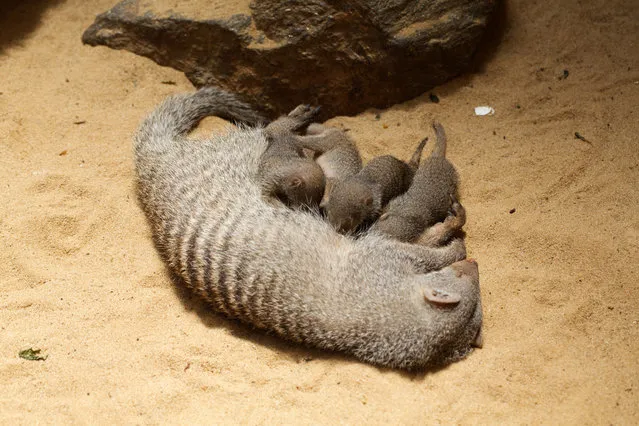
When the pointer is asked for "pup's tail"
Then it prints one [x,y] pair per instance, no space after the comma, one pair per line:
[440,143]
[413,163]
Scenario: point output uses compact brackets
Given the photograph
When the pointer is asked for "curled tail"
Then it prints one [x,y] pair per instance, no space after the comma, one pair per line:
[440,143]
[179,114]
[413,163]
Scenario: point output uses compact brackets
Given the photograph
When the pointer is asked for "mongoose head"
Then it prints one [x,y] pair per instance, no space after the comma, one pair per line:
[452,307]
[438,322]
[298,183]
[350,203]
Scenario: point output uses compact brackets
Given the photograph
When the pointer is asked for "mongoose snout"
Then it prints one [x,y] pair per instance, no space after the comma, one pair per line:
[467,267]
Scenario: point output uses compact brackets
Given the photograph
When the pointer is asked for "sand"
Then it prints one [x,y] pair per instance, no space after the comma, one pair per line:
[552,221]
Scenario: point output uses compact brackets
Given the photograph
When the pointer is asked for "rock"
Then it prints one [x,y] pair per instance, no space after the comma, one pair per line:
[344,56]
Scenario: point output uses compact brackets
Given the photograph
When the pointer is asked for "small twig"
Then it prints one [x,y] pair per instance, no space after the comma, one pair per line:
[580,137]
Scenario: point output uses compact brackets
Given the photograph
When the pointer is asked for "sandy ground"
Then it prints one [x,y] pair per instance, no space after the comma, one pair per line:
[81,280]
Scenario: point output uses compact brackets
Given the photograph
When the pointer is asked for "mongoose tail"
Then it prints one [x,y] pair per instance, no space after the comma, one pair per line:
[413,163]
[180,114]
[440,142]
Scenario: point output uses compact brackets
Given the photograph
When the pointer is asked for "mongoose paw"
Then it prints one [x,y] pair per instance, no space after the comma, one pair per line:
[299,110]
[456,218]
[304,114]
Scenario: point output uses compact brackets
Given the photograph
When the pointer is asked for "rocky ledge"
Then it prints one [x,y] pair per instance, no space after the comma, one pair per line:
[344,56]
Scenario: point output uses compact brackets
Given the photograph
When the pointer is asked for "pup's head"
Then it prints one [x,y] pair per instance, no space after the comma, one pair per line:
[299,183]
[350,203]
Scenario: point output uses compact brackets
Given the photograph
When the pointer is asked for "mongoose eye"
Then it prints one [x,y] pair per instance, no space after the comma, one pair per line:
[367,201]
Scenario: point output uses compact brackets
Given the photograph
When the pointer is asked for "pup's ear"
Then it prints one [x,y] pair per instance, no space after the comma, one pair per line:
[440,297]
[367,201]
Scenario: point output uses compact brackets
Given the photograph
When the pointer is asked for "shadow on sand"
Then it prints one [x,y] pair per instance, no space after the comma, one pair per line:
[18,18]
[291,352]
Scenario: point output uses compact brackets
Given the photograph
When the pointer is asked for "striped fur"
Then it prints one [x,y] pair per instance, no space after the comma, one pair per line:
[288,271]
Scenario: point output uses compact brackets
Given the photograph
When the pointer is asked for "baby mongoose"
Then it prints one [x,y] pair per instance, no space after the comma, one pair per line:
[334,152]
[287,271]
[359,199]
[428,200]
[285,172]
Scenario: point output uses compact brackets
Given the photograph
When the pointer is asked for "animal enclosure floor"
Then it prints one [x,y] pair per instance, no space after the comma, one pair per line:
[552,220]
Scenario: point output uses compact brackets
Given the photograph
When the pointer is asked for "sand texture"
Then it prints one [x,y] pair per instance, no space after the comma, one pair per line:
[553,221]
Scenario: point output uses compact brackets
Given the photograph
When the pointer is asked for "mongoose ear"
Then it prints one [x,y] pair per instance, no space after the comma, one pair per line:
[295,182]
[367,201]
[439,297]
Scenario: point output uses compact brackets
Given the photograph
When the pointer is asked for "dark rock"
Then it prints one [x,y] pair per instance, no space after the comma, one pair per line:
[344,56]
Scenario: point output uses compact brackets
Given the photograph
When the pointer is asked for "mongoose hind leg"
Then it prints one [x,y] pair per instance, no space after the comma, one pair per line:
[442,232]
[426,259]
[296,120]
[320,142]
[303,116]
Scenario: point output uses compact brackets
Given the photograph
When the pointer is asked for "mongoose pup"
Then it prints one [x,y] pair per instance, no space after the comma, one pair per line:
[427,201]
[334,152]
[359,199]
[285,172]
[287,271]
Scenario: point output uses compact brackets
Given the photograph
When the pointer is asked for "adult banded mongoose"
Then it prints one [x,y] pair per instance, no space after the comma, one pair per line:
[334,152]
[359,199]
[287,271]
[285,172]
[428,200]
